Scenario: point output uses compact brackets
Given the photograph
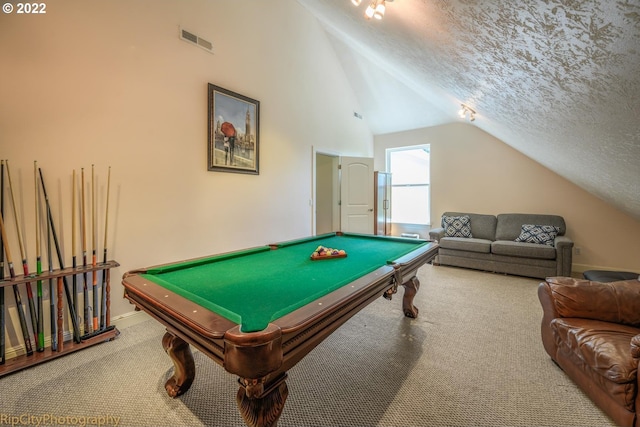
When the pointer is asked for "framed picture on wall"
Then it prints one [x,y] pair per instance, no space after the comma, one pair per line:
[234,137]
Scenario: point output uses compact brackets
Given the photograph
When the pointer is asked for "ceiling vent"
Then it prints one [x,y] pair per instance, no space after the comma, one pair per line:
[196,40]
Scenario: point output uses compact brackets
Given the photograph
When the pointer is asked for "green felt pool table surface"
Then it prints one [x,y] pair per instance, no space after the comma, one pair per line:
[256,286]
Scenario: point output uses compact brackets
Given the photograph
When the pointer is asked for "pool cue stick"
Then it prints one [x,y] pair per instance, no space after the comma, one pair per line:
[40,327]
[74,279]
[2,337]
[72,309]
[16,291]
[25,265]
[103,313]
[87,308]
[93,245]
[60,318]
[52,305]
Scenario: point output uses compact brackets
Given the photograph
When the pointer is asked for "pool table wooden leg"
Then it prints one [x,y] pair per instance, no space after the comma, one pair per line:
[262,407]
[411,287]
[184,367]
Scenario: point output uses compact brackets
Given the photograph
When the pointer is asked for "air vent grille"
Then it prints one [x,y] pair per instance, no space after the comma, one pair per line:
[205,44]
[196,40]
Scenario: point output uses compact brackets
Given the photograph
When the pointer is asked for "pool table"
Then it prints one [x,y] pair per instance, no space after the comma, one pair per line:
[258,312]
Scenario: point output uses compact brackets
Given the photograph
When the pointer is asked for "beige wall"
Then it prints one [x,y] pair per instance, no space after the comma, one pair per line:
[110,83]
[471,171]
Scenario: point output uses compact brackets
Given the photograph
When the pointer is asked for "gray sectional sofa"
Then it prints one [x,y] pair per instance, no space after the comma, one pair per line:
[532,245]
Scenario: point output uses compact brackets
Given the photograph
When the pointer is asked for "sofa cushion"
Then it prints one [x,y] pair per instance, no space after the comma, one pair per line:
[456,226]
[523,250]
[509,225]
[540,234]
[617,302]
[604,346]
[466,244]
[482,226]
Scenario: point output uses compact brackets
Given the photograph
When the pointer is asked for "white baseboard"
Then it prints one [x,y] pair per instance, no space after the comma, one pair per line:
[120,322]
[129,319]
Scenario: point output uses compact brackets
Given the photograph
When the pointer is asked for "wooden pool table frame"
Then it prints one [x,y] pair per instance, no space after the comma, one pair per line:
[261,359]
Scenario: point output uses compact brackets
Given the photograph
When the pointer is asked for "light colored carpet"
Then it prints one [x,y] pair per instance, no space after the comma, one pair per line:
[472,358]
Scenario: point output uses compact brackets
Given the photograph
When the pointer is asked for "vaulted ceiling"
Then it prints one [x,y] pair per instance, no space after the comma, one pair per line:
[558,80]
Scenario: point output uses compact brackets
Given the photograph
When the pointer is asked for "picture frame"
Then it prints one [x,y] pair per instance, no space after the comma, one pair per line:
[234,132]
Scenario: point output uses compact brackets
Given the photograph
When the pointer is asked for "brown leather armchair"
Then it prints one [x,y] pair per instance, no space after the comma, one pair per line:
[592,331]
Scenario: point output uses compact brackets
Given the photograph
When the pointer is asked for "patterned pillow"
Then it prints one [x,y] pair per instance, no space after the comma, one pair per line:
[456,226]
[540,234]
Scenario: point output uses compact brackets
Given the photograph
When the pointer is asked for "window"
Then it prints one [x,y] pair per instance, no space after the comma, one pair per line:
[409,168]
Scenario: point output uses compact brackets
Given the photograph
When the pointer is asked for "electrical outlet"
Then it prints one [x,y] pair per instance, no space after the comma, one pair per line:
[577,250]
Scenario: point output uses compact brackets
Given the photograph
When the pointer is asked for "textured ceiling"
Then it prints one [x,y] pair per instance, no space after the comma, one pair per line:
[558,80]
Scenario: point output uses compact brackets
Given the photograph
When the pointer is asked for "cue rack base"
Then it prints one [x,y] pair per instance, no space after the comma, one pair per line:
[108,333]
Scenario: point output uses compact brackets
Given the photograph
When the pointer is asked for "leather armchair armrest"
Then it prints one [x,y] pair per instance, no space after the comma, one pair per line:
[549,312]
[547,300]
[436,233]
[635,347]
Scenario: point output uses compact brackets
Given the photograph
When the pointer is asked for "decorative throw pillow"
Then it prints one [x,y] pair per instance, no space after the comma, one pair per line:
[540,234]
[456,226]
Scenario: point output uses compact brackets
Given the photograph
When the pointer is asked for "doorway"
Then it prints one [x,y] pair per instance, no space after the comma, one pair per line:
[343,193]
[327,189]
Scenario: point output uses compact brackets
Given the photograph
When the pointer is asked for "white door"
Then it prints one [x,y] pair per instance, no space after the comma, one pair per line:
[356,193]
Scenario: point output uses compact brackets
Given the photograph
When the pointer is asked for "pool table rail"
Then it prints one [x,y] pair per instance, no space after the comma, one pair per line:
[209,324]
[302,334]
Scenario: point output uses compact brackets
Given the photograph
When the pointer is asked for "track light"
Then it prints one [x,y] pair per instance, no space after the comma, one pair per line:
[464,110]
[379,12]
[375,9]
[370,10]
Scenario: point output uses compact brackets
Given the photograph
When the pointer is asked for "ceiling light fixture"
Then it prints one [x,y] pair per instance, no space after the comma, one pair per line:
[370,10]
[380,8]
[467,110]
[375,9]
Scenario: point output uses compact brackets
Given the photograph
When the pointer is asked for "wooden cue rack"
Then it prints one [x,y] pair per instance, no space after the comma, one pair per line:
[107,334]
